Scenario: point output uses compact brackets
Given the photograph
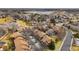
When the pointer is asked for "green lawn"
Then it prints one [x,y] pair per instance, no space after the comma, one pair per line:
[57,45]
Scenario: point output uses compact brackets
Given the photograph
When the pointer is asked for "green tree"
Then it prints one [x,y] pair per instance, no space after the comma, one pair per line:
[51,46]
[53,21]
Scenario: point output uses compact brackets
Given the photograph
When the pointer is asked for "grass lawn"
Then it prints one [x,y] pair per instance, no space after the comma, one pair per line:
[57,45]
[5,20]
[75,48]
[23,23]
[7,39]
[57,42]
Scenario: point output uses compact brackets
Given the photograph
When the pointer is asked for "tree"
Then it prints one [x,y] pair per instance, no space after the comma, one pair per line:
[51,46]
[70,22]
[76,35]
[53,21]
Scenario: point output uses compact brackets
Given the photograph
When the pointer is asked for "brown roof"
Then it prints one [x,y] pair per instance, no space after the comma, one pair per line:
[39,33]
[21,44]
[46,39]
[16,34]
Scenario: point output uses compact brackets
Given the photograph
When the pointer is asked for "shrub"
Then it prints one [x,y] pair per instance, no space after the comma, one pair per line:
[51,46]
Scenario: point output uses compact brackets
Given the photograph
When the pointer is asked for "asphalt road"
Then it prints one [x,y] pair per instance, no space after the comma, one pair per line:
[67,42]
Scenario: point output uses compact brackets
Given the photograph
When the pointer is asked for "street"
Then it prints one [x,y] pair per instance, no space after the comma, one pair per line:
[67,42]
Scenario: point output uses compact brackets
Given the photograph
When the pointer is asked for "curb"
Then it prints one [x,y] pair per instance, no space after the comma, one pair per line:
[71,45]
[63,41]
